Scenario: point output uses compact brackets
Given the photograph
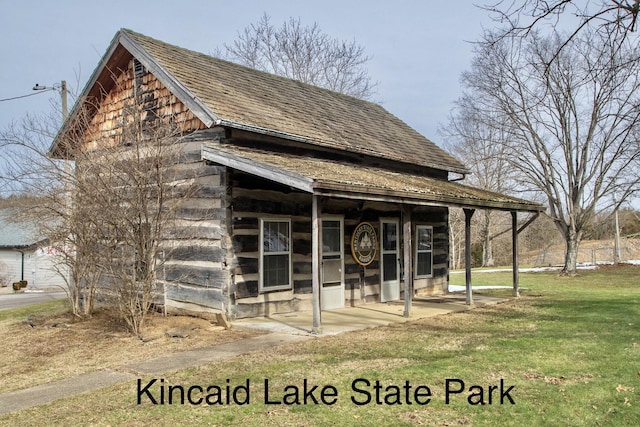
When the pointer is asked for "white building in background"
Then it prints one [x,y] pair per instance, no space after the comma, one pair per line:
[26,256]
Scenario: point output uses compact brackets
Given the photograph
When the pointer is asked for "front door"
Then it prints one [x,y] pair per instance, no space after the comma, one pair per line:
[390,260]
[332,291]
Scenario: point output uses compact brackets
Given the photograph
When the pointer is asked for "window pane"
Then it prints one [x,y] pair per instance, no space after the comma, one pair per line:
[390,266]
[331,270]
[389,236]
[331,236]
[424,238]
[424,264]
[276,236]
[276,271]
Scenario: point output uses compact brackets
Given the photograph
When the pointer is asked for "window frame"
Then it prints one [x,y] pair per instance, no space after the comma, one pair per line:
[329,255]
[424,251]
[261,273]
[396,252]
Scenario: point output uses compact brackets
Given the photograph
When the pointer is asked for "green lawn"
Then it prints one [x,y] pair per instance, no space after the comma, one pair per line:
[44,308]
[570,347]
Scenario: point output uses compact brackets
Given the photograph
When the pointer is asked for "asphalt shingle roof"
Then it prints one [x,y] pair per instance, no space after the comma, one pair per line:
[237,95]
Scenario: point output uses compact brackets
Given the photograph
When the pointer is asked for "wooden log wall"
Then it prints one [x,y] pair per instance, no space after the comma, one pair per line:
[212,251]
[253,198]
[194,274]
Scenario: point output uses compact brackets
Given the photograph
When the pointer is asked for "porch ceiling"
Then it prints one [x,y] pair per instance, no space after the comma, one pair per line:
[323,177]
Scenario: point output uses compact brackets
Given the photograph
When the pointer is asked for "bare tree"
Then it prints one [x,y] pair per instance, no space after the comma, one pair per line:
[616,18]
[5,276]
[109,214]
[572,125]
[303,53]
[482,149]
[28,170]
[456,237]
[139,197]
[130,187]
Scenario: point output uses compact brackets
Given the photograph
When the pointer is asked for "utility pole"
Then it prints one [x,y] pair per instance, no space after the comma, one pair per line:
[617,241]
[63,96]
[67,164]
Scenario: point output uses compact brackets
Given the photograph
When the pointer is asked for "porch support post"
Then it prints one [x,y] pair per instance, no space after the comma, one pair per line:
[408,251]
[315,264]
[514,249]
[468,213]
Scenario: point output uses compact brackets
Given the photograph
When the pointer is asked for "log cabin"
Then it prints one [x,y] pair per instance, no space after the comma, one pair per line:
[313,200]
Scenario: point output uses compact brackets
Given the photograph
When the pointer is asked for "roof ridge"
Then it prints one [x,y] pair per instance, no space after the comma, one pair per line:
[224,93]
[266,74]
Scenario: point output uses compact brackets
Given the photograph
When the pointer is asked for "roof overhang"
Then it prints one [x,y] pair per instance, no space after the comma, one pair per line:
[120,51]
[335,179]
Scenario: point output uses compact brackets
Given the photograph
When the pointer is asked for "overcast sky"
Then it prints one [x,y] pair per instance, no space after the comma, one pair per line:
[418,48]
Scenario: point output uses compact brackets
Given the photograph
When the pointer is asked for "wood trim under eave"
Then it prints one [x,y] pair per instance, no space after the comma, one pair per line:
[185,96]
[261,170]
[80,102]
[405,198]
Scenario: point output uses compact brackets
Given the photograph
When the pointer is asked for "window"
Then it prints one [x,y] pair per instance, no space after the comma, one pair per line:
[424,251]
[275,254]
[332,251]
[331,237]
[390,255]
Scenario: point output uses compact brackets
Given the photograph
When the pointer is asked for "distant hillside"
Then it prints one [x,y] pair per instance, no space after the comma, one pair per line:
[590,252]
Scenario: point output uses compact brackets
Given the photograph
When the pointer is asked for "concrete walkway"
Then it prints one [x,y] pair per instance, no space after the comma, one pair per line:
[281,329]
[46,393]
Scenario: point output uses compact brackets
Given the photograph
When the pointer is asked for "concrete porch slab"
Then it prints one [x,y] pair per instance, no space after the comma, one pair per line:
[364,316]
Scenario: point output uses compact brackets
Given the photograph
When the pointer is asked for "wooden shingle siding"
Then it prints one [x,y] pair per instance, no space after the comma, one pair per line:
[137,88]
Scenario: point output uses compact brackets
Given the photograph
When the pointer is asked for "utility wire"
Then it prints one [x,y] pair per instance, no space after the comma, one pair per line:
[24,96]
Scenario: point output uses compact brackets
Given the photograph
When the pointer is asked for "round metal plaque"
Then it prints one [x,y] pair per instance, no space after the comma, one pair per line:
[364,244]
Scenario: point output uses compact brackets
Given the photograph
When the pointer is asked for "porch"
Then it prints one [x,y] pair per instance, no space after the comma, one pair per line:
[408,191]
[365,316]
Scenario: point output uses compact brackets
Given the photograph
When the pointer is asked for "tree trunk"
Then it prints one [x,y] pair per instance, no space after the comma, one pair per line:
[571,255]
[487,250]
[454,245]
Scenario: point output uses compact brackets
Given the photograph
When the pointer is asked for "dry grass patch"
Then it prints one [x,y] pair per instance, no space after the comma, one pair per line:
[572,353]
[44,348]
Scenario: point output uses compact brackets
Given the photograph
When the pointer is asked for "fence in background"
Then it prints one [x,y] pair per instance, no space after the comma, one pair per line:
[587,255]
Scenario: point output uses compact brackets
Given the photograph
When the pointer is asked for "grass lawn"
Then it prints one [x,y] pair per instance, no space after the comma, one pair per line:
[570,347]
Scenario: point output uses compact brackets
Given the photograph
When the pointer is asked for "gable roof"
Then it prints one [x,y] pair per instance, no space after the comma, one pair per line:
[17,235]
[221,93]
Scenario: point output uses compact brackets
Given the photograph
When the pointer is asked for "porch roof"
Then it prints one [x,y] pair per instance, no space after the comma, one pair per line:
[324,177]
